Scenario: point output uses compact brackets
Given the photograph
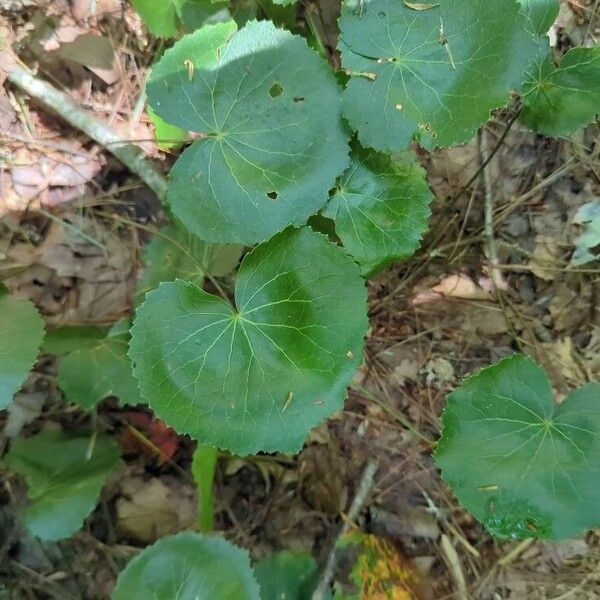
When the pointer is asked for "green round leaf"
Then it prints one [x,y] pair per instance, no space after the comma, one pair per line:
[159,17]
[175,252]
[522,465]
[261,376]
[433,74]
[559,100]
[63,483]
[188,566]
[288,576]
[380,208]
[540,14]
[21,334]
[274,142]
[94,372]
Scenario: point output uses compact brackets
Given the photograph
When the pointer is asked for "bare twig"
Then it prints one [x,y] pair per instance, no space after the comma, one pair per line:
[364,488]
[491,155]
[131,156]
[488,228]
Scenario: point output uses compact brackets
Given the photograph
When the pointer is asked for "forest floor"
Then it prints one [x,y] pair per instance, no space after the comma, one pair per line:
[434,319]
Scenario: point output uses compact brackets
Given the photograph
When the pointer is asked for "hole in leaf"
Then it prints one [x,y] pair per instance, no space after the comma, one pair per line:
[272,195]
[381,15]
[298,99]
[276,90]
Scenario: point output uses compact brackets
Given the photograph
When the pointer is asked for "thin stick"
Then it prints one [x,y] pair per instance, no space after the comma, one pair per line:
[488,208]
[489,158]
[131,156]
[364,488]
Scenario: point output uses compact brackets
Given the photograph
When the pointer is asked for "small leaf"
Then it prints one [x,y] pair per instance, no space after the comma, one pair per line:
[380,208]
[559,100]
[176,253]
[67,339]
[587,245]
[540,14]
[436,74]
[21,334]
[273,142]
[97,371]
[522,465]
[63,484]
[159,17]
[167,137]
[261,376]
[288,575]
[189,566]
[195,13]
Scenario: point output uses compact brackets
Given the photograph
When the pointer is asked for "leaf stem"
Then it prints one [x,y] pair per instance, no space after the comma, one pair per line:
[204,466]
[491,155]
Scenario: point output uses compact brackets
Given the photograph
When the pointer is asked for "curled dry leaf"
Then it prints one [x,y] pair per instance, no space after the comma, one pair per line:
[40,176]
[72,279]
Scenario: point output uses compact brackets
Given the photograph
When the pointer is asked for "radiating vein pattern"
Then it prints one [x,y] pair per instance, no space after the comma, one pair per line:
[432,74]
[380,208]
[261,375]
[272,143]
[560,99]
[521,464]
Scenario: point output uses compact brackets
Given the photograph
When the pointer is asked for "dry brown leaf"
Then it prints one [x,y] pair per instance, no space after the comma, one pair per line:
[460,286]
[72,280]
[545,258]
[151,509]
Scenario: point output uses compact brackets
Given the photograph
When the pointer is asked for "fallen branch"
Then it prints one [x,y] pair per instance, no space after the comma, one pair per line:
[364,488]
[130,155]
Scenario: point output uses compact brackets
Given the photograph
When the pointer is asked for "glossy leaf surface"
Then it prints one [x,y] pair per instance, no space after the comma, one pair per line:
[188,566]
[559,100]
[433,74]
[380,208]
[261,376]
[523,465]
[273,144]
[540,14]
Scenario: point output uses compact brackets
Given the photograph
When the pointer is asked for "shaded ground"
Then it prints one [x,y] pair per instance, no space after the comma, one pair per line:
[434,319]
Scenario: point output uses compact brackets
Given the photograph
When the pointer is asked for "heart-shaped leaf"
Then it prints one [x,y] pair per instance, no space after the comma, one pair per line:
[260,376]
[21,334]
[559,100]
[273,141]
[435,74]
[98,370]
[521,464]
[540,14]
[63,482]
[189,566]
[380,208]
